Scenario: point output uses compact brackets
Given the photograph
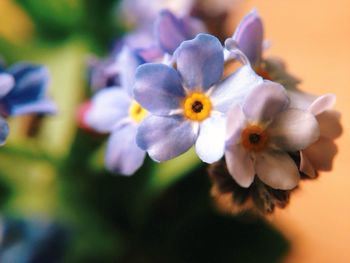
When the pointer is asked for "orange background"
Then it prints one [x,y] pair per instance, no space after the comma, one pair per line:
[313,37]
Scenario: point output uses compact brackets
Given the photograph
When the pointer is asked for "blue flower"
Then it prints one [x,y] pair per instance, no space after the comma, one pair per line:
[23,90]
[186,106]
[28,94]
[30,240]
[114,111]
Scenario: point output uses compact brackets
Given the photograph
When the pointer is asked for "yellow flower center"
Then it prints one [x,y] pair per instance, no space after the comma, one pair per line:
[136,112]
[254,138]
[197,106]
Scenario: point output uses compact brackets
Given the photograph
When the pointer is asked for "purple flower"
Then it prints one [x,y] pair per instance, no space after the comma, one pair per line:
[186,106]
[114,111]
[262,132]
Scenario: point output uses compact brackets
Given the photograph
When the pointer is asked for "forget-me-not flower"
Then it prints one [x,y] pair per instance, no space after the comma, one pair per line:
[262,132]
[23,90]
[114,111]
[186,105]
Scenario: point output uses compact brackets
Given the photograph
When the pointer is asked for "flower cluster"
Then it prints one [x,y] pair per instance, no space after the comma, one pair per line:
[178,89]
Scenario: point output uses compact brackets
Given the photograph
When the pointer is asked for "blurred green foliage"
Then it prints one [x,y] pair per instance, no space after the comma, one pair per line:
[163,213]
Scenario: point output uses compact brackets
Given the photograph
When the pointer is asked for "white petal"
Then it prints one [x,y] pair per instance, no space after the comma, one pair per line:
[210,143]
[294,130]
[277,170]
[240,165]
[235,88]
[108,107]
[236,121]
[322,103]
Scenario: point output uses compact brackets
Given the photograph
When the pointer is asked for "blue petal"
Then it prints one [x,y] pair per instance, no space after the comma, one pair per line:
[4,130]
[171,31]
[31,82]
[164,138]
[235,88]
[123,156]
[6,84]
[127,62]
[109,106]
[42,106]
[249,36]
[200,62]
[158,88]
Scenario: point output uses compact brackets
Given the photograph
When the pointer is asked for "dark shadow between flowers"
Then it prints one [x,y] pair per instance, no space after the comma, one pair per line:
[184,227]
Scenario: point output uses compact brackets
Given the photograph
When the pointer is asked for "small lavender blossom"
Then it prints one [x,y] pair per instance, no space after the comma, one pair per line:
[249,38]
[262,132]
[114,111]
[186,105]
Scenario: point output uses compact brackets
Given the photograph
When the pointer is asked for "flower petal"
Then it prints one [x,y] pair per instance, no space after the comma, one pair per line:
[210,144]
[123,156]
[42,106]
[170,31]
[249,36]
[200,62]
[4,130]
[306,166]
[322,103]
[236,121]
[321,154]
[158,88]
[6,84]
[294,130]
[108,107]
[165,137]
[127,63]
[329,122]
[234,88]
[265,101]
[31,81]
[277,170]
[240,165]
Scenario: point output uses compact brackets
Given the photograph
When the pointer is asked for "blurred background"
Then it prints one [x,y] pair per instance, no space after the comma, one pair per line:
[59,204]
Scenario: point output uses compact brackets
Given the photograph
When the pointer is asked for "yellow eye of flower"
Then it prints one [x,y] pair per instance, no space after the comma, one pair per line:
[254,138]
[197,106]
[136,112]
